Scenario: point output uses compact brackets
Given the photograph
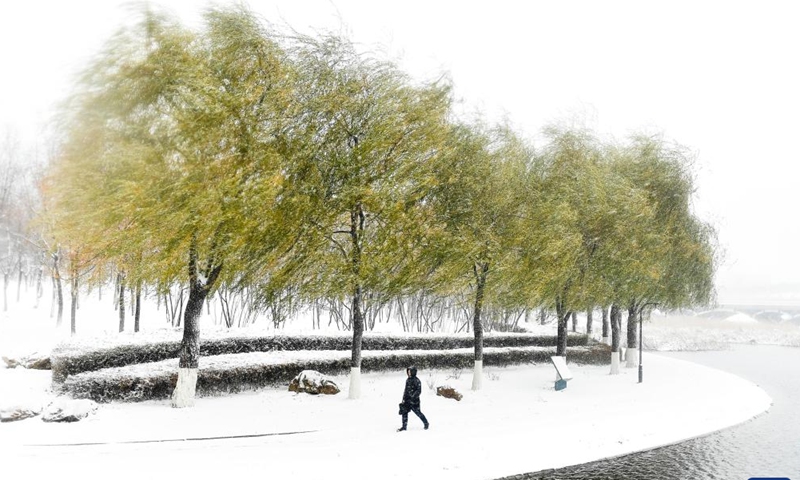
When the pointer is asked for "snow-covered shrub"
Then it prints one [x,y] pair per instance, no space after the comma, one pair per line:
[69,361]
[72,359]
[223,374]
[431,381]
[597,354]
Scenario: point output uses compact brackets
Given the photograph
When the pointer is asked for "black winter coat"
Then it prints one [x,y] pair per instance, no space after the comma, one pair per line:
[413,390]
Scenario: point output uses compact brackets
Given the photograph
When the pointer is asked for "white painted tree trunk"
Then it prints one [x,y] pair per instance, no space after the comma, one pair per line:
[632,358]
[477,375]
[614,363]
[355,383]
[183,395]
[607,340]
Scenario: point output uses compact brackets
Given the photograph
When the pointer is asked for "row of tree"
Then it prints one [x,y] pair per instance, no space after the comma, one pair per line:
[23,252]
[234,155]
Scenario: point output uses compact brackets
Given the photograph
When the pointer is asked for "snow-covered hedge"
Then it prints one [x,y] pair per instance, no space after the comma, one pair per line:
[72,359]
[233,373]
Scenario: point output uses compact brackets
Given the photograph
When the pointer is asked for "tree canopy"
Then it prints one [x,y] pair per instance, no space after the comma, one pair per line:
[296,166]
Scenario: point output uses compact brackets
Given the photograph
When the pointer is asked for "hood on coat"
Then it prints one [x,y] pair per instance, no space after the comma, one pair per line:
[412,370]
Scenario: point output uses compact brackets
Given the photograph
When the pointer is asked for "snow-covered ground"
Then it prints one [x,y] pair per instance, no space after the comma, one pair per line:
[517,423]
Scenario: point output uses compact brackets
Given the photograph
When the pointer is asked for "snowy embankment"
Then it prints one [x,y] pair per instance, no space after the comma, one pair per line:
[676,333]
[516,423]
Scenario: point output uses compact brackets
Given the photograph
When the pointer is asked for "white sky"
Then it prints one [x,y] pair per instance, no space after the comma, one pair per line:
[719,77]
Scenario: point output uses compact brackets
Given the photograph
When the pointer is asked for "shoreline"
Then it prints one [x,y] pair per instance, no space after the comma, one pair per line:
[637,452]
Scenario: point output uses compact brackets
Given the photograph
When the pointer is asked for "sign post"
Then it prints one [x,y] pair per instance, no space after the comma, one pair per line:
[562,372]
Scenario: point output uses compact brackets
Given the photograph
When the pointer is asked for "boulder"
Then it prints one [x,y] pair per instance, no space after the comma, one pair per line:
[11,362]
[18,412]
[313,382]
[35,361]
[68,410]
[447,391]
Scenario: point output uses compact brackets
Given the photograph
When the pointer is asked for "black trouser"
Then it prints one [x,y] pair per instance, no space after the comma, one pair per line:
[417,411]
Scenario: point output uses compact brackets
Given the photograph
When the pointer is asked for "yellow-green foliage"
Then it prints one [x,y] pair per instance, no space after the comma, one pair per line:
[300,164]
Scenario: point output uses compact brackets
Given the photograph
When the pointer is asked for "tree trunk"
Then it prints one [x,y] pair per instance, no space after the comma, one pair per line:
[5,291]
[356,230]
[562,317]
[53,295]
[605,325]
[358,334]
[115,301]
[179,309]
[190,343]
[39,287]
[59,292]
[138,310]
[616,332]
[19,277]
[542,316]
[633,336]
[616,327]
[189,359]
[589,321]
[481,270]
[632,326]
[121,304]
[73,307]
[574,322]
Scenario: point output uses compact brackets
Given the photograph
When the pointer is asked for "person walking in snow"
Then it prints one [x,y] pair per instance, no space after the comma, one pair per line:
[411,401]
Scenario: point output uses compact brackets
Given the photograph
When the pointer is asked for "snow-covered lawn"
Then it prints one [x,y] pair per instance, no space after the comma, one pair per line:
[516,423]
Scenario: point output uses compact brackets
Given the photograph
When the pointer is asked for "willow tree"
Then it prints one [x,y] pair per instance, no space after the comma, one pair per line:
[477,197]
[361,146]
[624,241]
[579,230]
[677,254]
[164,142]
[572,210]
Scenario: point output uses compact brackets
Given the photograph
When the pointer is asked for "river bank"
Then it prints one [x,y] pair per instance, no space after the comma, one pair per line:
[763,447]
